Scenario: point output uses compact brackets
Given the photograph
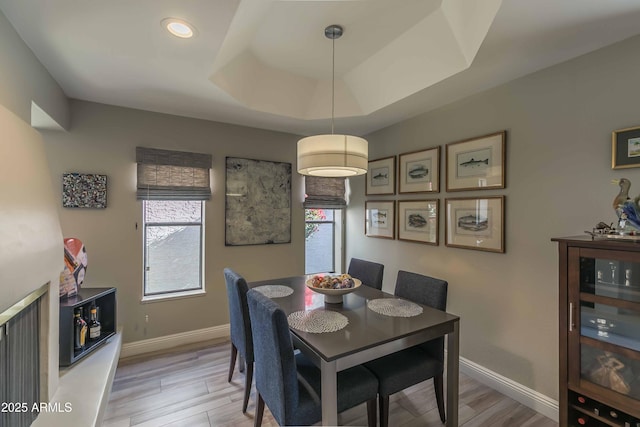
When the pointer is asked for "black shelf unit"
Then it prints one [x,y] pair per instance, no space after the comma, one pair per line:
[105,301]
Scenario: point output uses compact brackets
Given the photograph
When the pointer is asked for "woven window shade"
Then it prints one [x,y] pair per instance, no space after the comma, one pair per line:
[172,175]
[324,192]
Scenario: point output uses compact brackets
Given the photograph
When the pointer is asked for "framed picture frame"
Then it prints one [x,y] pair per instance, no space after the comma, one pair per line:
[476,163]
[475,223]
[84,190]
[381,176]
[419,171]
[418,221]
[625,148]
[257,202]
[379,219]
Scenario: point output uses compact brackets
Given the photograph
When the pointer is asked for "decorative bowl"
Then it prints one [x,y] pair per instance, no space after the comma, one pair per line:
[334,296]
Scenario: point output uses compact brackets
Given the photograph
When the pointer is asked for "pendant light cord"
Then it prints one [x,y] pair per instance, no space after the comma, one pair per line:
[333,80]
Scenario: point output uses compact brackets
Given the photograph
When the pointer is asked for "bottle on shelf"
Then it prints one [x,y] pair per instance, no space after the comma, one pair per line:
[79,330]
[94,324]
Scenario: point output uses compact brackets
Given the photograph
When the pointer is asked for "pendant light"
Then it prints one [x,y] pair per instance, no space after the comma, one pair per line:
[333,155]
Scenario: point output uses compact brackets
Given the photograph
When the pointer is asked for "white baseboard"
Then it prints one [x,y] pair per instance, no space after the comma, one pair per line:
[175,340]
[528,397]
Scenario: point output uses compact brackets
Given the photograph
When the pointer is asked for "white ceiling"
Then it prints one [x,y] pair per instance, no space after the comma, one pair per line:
[267,64]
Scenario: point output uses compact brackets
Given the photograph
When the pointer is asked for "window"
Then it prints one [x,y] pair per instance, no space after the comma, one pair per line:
[173,246]
[324,203]
[173,186]
[323,240]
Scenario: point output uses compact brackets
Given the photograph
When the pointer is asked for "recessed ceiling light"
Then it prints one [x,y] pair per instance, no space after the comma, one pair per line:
[179,27]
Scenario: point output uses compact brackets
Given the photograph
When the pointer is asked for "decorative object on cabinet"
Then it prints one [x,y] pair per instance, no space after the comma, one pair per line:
[82,190]
[626,209]
[476,163]
[381,176]
[257,202]
[419,171]
[75,267]
[379,219]
[599,331]
[475,223]
[625,148]
[418,221]
[104,299]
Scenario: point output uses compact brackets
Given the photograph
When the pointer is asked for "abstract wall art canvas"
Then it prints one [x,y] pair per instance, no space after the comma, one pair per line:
[82,190]
[258,202]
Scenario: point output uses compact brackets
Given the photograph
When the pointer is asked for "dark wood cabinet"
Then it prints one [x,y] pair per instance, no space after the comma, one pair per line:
[599,320]
[105,301]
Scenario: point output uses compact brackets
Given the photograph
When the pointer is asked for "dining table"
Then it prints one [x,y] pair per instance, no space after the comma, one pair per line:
[353,333]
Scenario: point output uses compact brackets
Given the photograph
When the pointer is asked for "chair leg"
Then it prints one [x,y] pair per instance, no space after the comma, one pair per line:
[259,412]
[247,386]
[438,385]
[384,410]
[232,364]
[372,412]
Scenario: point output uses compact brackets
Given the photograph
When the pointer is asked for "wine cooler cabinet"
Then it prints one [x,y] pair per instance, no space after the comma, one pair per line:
[599,297]
[74,347]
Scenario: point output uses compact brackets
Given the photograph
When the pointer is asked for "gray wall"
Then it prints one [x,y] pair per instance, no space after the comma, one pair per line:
[102,140]
[559,123]
[25,80]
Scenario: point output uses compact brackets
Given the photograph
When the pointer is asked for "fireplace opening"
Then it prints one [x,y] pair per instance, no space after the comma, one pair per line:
[20,359]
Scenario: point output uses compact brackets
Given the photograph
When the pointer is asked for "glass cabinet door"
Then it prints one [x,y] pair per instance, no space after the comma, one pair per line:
[605,341]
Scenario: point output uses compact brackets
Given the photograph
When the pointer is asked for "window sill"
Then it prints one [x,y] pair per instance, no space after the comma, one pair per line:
[174,295]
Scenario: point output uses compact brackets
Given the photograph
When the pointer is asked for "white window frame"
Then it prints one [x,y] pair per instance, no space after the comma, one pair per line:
[156,296]
[338,237]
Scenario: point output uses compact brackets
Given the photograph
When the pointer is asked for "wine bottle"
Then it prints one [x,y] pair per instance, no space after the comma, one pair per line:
[94,324]
[79,331]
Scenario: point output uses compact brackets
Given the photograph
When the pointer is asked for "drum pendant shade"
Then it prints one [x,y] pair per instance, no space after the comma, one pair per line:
[333,155]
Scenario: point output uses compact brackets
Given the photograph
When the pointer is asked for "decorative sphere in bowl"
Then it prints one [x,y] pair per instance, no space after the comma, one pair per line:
[333,287]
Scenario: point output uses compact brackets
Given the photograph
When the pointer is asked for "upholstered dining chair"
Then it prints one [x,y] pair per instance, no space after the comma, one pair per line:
[405,368]
[287,382]
[370,273]
[241,337]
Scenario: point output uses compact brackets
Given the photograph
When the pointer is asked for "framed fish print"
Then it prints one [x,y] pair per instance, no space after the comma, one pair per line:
[418,221]
[625,148]
[379,219]
[477,163]
[381,175]
[475,223]
[419,171]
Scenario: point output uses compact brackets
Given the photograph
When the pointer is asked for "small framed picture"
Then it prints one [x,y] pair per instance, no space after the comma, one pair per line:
[477,163]
[418,221]
[84,190]
[379,219]
[625,147]
[475,223]
[419,171]
[381,176]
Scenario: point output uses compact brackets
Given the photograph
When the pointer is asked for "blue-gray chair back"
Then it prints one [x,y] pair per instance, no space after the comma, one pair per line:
[422,289]
[370,273]
[276,372]
[240,325]
[241,335]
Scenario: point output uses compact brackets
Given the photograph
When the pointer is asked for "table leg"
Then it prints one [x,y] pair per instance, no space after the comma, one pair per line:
[453,367]
[329,384]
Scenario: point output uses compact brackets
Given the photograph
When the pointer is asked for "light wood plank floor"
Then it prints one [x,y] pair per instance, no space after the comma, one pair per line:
[188,387]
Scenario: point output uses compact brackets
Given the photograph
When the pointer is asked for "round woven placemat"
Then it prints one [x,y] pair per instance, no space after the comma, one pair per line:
[394,307]
[317,321]
[274,291]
